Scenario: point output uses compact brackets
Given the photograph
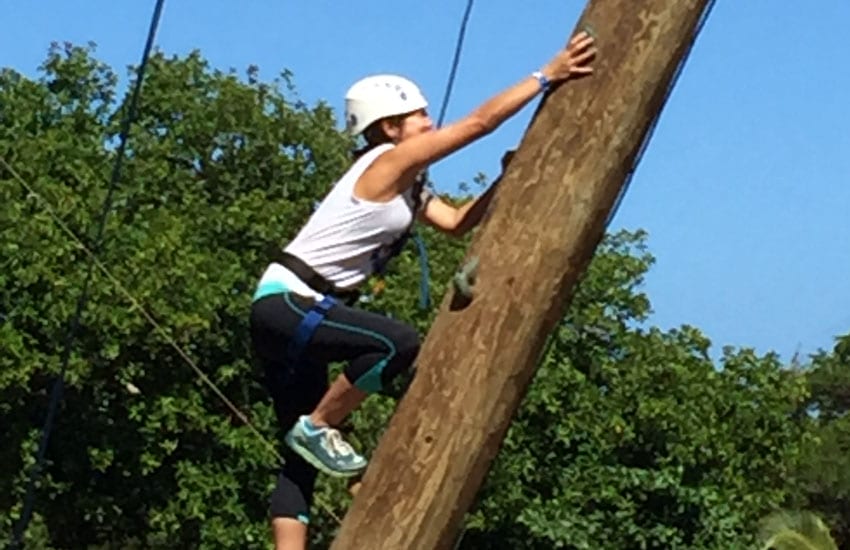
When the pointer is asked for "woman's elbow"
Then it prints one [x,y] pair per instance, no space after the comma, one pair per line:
[456,230]
[460,230]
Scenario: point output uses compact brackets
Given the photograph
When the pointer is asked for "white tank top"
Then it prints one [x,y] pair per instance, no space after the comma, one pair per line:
[346,235]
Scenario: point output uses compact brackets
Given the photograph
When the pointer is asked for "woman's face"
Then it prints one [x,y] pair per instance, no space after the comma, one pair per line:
[409,125]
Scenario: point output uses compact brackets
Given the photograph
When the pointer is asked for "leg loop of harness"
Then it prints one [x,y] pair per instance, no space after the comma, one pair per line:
[307,328]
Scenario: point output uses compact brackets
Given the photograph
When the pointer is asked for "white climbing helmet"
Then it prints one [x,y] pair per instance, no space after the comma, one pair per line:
[379,96]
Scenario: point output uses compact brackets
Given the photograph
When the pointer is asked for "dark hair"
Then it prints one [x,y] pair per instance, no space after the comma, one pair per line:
[374,135]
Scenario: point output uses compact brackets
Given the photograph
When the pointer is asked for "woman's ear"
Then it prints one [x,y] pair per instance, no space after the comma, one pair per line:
[391,128]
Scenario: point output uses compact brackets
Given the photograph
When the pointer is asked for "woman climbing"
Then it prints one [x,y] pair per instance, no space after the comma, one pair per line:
[302,318]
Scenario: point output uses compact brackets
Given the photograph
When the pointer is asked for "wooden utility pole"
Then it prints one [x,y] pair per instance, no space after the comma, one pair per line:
[552,205]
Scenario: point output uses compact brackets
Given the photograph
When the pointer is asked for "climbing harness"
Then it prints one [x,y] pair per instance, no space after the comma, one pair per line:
[315,315]
[380,261]
[58,386]
[332,295]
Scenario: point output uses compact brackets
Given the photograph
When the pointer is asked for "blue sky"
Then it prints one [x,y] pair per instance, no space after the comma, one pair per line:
[743,190]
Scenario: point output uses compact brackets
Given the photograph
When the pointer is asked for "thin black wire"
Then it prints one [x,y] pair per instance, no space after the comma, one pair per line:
[645,142]
[59,384]
[455,62]
[646,138]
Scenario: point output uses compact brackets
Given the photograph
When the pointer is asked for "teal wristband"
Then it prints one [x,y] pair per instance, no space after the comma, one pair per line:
[541,78]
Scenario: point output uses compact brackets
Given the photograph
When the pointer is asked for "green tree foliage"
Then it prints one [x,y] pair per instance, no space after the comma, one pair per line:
[219,172]
[630,437]
[826,468]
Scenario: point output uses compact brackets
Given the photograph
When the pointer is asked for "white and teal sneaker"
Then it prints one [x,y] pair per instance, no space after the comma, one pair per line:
[325,449]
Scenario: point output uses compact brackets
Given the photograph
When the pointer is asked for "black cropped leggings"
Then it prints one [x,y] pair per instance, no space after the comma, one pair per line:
[375,348]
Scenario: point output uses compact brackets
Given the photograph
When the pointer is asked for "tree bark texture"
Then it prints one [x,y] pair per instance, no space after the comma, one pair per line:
[549,215]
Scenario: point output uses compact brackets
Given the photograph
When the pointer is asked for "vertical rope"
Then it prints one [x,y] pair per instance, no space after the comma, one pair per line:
[58,388]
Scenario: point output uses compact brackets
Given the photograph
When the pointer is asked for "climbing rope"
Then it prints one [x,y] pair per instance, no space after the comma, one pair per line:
[158,328]
[424,290]
[59,383]
[57,389]
[455,62]
[94,262]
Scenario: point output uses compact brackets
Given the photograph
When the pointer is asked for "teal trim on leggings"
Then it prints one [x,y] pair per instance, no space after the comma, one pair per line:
[370,382]
[268,288]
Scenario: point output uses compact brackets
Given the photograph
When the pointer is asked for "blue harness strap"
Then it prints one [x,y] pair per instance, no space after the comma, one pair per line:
[307,328]
[424,294]
[313,318]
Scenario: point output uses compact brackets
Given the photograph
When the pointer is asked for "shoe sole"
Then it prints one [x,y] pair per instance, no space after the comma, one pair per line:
[305,453]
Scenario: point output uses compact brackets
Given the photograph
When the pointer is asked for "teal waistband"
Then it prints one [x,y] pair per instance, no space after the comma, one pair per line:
[270,287]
